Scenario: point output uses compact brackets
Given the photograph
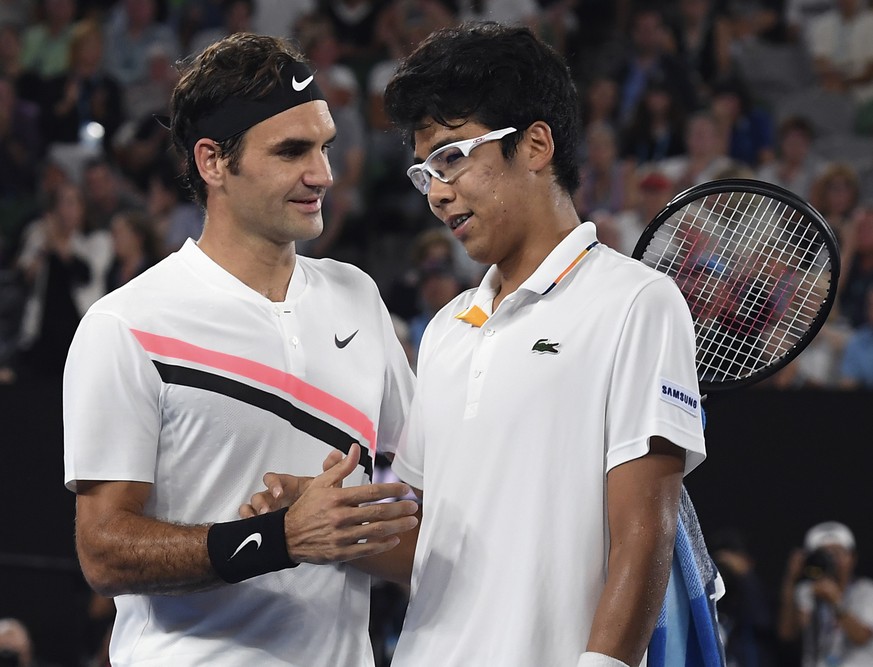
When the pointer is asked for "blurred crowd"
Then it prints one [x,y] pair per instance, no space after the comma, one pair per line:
[672,93]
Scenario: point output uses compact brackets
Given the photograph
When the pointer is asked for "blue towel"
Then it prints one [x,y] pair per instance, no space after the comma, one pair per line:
[687,633]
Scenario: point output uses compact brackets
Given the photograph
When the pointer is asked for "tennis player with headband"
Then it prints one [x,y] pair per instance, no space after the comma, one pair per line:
[231,357]
[544,432]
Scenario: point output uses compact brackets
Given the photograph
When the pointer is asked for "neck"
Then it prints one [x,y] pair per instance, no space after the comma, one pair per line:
[264,266]
[541,239]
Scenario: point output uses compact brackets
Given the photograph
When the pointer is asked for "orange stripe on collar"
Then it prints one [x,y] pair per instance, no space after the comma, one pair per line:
[474,316]
[570,268]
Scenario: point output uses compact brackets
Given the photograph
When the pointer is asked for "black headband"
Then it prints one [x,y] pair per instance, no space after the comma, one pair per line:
[237,114]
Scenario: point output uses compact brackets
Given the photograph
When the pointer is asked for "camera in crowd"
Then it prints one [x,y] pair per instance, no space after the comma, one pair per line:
[819,564]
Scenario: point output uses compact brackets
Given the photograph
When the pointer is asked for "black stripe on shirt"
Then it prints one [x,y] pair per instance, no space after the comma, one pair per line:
[299,419]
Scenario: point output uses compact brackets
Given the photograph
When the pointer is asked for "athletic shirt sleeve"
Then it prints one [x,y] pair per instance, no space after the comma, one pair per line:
[399,383]
[111,405]
[653,390]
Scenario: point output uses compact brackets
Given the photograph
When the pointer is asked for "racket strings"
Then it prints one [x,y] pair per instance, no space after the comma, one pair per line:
[755,274]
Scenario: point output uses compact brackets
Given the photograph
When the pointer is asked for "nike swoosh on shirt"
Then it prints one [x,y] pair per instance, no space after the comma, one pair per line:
[345,341]
[254,537]
[300,85]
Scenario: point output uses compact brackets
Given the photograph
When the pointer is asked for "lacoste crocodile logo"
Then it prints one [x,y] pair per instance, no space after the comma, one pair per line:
[544,345]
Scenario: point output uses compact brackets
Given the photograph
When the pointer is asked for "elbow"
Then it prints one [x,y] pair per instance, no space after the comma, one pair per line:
[95,561]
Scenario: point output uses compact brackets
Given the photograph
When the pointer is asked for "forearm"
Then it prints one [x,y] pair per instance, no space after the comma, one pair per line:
[639,568]
[128,553]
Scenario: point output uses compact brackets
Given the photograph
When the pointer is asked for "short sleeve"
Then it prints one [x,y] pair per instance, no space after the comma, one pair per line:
[398,388]
[111,399]
[653,390]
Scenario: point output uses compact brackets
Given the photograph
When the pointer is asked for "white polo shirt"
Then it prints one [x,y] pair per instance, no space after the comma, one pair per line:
[513,427]
[187,379]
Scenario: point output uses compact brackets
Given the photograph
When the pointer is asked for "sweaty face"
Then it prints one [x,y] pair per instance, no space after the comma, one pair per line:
[483,205]
[283,173]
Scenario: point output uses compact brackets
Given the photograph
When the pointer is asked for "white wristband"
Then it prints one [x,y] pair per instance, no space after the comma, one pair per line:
[591,659]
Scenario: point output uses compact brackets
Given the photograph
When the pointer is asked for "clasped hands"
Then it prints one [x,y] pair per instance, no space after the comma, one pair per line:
[327,523]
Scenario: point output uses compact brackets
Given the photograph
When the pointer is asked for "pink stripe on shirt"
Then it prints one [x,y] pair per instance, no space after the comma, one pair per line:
[273,377]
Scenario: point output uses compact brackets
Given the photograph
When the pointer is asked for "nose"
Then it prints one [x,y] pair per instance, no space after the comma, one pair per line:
[318,173]
[440,193]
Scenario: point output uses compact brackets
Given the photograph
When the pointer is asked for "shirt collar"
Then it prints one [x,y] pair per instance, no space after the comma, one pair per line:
[555,267]
[222,279]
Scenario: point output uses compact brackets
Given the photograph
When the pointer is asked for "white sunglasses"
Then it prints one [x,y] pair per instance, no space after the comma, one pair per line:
[447,163]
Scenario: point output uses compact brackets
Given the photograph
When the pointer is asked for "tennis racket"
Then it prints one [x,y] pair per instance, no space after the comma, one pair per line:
[758,267]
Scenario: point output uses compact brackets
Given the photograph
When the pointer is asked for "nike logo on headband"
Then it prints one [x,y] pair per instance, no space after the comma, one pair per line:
[300,85]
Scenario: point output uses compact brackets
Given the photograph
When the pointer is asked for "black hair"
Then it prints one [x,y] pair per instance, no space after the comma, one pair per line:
[499,76]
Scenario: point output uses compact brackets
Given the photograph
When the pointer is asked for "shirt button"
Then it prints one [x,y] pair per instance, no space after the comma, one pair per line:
[277,310]
[477,373]
[489,332]
[294,341]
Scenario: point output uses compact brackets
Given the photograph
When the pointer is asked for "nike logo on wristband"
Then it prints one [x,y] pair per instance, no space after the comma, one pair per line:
[254,537]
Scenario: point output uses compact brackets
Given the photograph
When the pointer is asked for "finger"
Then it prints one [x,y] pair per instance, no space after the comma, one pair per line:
[277,485]
[379,529]
[340,470]
[332,459]
[246,511]
[264,502]
[370,493]
[379,512]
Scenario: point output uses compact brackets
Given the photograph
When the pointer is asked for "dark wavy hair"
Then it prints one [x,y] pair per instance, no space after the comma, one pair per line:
[496,75]
[242,65]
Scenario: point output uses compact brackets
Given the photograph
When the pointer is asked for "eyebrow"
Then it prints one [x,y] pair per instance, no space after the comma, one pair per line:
[296,146]
[437,146]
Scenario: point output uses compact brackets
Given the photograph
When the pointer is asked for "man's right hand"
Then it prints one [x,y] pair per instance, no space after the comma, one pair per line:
[327,523]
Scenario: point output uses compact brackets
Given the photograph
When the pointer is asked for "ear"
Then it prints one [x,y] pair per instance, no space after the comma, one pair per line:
[538,145]
[211,167]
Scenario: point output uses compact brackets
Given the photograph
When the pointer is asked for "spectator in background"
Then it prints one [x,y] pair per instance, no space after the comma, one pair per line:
[280,18]
[106,193]
[702,39]
[131,32]
[748,129]
[21,144]
[176,217]
[753,20]
[354,23]
[135,247]
[705,154]
[85,93]
[603,176]
[649,56]
[856,278]
[856,369]
[600,102]
[16,647]
[652,192]
[824,604]
[744,613]
[840,42]
[45,46]
[236,17]
[657,129]
[430,248]
[56,262]
[507,12]
[437,286]
[796,167]
[10,52]
[799,14]
[835,194]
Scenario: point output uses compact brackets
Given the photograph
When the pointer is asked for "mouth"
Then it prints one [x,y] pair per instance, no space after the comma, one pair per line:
[312,203]
[455,222]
